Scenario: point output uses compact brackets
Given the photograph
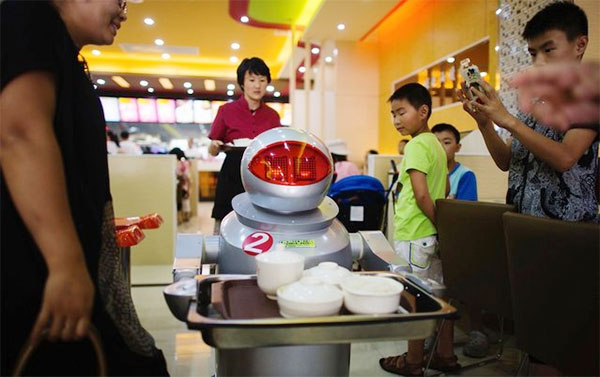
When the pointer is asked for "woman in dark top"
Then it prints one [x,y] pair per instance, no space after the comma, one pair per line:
[245,118]
[59,260]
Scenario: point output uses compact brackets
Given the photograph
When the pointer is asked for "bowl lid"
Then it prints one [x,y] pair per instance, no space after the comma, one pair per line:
[328,272]
[309,290]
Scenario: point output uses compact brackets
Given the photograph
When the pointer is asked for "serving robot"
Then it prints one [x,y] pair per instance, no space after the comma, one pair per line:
[286,173]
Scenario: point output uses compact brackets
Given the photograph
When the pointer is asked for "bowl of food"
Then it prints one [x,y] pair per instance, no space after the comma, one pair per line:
[371,294]
[277,268]
[329,273]
[309,297]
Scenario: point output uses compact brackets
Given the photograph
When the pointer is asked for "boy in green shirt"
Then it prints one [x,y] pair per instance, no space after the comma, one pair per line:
[423,176]
[424,179]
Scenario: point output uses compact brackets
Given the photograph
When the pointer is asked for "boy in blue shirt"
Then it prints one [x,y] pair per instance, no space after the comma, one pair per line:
[463,185]
[424,179]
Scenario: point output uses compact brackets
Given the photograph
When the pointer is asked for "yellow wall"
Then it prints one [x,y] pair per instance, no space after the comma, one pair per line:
[421,32]
[592,10]
[356,97]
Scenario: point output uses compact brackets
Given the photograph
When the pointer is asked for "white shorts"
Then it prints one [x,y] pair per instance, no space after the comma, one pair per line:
[423,257]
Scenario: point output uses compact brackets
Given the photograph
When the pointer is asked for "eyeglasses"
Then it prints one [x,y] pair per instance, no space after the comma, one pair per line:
[123,6]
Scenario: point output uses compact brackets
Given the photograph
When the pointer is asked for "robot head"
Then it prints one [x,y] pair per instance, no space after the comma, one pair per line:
[286,170]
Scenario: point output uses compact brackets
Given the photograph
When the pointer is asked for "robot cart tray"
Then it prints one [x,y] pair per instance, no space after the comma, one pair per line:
[231,313]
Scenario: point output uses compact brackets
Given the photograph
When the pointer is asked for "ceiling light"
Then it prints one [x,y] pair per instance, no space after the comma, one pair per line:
[497,48]
[144,83]
[244,19]
[341,26]
[159,42]
[277,94]
[270,88]
[328,59]
[230,93]
[187,84]
[483,74]
[96,52]
[95,86]
[302,69]
[235,46]
[150,90]
[210,85]
[166,56]
[101,81]
[121,81]
[315,50]
[498,11]
[165,83]
[230,86]
[450,59]
[233,59]
[190,91]
[148,21]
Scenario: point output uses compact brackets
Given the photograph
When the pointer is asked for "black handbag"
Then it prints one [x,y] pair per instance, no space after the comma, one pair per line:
[30,346]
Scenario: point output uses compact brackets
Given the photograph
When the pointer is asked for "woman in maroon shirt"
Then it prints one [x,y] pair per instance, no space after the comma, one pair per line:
[246,117]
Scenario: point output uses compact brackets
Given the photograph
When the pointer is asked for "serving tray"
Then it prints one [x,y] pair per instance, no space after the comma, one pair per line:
[231,312]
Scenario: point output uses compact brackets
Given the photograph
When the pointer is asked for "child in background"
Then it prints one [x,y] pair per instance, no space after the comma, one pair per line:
[463,185]
[339,153]
[424,179]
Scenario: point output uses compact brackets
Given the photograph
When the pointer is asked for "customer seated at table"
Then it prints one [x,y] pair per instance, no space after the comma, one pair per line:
[366,164]
[401,145]
[463,185]
[127,146]
[342,167]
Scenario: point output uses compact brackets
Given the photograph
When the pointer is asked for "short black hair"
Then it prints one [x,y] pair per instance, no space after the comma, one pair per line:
[441,127]
[338,157]
[253,65]
[416,94]
[563,16]
[372,151]
[124,135]
[178,152]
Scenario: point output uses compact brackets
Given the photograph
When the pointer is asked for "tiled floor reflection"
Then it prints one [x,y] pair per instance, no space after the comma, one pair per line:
[186,353]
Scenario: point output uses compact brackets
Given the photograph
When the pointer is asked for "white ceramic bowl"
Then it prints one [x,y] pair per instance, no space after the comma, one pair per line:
[277,268]
[371,294]
[309,297]
[329,273]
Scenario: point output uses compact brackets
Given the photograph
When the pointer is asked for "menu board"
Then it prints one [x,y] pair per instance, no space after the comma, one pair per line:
[128,110]
[203,112]
[166,110]
[184,111]
[110,106]
[147,110]
[162,110]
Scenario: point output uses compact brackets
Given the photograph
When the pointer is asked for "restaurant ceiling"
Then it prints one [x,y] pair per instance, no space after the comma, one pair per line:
[198,34]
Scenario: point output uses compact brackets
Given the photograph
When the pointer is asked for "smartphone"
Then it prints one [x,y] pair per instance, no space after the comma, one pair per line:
[472,77]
